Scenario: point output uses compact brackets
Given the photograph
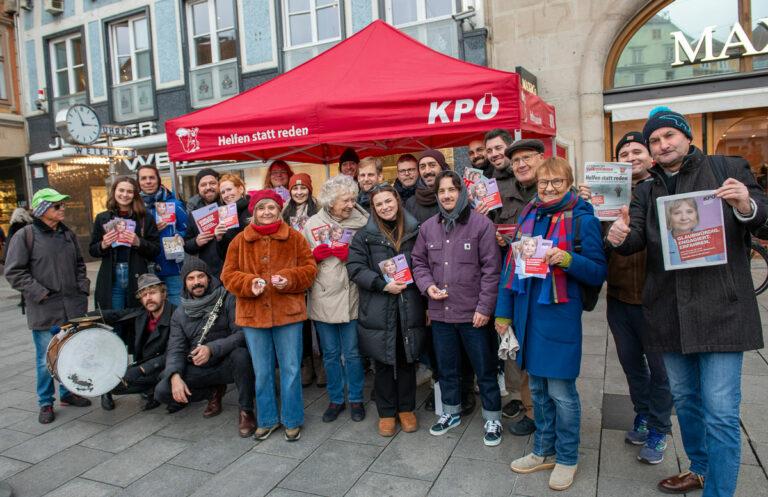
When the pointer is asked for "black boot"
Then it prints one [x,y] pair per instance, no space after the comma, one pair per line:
[107,402]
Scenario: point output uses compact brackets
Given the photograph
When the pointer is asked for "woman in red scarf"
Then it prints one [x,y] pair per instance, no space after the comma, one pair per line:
[268,268]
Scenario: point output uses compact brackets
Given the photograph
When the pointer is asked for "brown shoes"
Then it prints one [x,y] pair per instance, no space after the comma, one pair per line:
[682,483]
[387,427]
[214,404]
[247,424]
[408,421]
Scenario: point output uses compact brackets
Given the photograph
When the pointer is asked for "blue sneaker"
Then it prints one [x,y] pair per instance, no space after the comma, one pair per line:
[445,423]
[493,431]
[653,450]
[639,432]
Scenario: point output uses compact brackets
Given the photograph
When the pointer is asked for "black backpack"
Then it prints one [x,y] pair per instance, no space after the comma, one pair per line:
[589,294]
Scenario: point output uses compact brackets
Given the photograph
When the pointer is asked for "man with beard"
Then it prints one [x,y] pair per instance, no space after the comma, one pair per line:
[407,176]
[476,151]
[206,350]
[153,191]
[152,325]
[369,174]
[204,245]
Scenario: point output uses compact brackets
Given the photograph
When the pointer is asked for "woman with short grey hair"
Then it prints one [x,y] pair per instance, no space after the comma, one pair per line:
[333,298]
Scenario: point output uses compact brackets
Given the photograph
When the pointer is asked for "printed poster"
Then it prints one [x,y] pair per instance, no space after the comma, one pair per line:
[472,176]
[529,256]
[396,269]
[165,212]
[692,230]
[123,227]
[486,192]
[611,184]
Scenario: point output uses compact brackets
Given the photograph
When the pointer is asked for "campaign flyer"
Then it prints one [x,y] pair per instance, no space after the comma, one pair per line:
[396,269]
[341,236]
[123,227]
[611,184]
[486,192]
[472,176]
[321,234]
[165,212]
[692,230]
[298,222]
[206,218]
[283,192]
[173,248]
[529,256]
[228,216]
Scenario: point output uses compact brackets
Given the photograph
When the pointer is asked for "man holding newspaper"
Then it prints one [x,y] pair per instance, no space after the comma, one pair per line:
[702,311]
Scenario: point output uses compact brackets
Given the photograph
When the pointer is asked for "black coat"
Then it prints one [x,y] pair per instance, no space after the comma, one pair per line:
[223,337]
[151,354]
[703,309]
[243,218]
[209,252]
[149,247]
[381,313]
[419,211]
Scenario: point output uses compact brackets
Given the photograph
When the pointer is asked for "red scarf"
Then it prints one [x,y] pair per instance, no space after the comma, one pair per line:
[266,229]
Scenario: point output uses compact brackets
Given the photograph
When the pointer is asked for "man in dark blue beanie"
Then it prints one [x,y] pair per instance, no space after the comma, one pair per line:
[701,319]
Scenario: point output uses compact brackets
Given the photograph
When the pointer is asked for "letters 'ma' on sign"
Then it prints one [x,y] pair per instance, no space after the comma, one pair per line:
[737,39]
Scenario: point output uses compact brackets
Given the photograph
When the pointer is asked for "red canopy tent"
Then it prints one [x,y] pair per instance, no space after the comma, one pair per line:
[378,91]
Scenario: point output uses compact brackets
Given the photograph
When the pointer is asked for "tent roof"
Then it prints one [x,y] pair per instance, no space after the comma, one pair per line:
[378,91]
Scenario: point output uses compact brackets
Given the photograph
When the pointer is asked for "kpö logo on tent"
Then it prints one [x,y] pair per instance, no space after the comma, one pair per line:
[485,108]
[188,139]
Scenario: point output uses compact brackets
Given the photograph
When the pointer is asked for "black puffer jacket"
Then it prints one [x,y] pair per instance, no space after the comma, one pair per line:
[380,313]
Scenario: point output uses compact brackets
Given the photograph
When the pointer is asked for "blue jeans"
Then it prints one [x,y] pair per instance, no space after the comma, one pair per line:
[479,343]
[285,343]
[645,371]
[120,286]
[557,412]
[173,285]
[706,389]
[337,340]
[46,389]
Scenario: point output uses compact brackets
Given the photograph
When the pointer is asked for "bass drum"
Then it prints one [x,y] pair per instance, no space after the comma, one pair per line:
[90,360]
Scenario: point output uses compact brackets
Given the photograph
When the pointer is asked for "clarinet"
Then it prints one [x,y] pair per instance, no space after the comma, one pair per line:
[209,323]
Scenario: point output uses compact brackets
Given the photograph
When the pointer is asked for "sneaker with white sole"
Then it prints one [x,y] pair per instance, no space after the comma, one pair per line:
[445,423]
[653,450]
[562,477]
[532,463]
[493,431]
[639,432]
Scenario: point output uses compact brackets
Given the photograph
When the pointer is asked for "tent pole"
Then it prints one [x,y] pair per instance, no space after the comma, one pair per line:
[174,180]
[518,135]
[327,171]
[554,146]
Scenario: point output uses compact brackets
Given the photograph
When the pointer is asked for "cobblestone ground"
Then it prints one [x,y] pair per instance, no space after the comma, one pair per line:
[91,452]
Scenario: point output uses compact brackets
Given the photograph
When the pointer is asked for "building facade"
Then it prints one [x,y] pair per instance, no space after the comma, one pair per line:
[141,62]
[605,64]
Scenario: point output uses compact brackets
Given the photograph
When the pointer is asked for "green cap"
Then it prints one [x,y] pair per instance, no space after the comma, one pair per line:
[44,198]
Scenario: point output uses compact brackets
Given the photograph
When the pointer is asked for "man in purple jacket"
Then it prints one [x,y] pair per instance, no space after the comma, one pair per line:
[456,263]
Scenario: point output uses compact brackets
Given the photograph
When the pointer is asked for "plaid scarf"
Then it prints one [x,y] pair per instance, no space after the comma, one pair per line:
[560,231]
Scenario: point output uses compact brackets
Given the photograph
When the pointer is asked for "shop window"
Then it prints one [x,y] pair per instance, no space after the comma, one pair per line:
[310,28]
[637,55]
[429,21]
[744,134]
[131,61]
[656,34]
[68,75]
[212,51]
[759,10]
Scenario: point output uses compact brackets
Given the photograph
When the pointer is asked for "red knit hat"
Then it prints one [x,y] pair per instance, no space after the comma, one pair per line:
[303,179]
[259,195]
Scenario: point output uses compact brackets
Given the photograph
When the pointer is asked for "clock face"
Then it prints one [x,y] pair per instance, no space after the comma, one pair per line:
[82,124]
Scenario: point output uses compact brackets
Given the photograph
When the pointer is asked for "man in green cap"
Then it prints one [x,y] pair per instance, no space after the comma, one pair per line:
[44,263]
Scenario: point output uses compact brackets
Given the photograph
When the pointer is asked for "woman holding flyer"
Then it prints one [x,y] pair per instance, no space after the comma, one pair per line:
[545,314]
[333,299]
[268,270]
[232,191]
[391,324]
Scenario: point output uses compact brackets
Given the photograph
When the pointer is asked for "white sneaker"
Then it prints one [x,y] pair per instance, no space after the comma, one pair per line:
[502,385]
[562,477]
[532,463]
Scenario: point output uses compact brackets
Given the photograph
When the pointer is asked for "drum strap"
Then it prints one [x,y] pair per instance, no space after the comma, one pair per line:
[214,314]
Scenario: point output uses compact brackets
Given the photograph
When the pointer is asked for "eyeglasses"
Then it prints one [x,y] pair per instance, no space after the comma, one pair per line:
[412,170]
[556,183]
[279,173]
[524,158]
[58,206]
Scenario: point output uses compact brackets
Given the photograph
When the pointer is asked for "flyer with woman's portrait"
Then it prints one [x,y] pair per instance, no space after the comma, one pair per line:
[165,212]
[692,230]
[529,256]
[486,192]
[321,234]
[396,269]
[123,227]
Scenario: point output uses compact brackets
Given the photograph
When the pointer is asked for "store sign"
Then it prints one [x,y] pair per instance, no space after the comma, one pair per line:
[485,108]
[528,80]
[95,151]
[157,159]
[143,128]
[737,39]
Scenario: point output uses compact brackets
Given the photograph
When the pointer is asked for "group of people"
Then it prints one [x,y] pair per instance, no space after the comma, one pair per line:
[276,294]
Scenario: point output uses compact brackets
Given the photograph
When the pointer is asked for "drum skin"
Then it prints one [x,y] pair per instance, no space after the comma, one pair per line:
[89,361]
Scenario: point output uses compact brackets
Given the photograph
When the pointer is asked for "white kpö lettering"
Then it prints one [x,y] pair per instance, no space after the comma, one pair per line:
[463,106]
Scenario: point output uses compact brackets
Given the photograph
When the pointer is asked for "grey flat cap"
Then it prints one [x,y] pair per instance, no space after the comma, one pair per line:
[525,144]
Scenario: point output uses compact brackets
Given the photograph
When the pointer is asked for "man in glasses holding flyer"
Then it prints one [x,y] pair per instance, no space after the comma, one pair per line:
[701,318]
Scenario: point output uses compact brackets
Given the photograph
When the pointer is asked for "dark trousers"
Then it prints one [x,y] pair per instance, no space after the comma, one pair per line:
[235,368]
[467,380]
[137,382]
[645,371]
[395,386]
[449,339]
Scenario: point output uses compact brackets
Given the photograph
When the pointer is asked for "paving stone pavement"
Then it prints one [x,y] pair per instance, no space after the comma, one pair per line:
[126,452]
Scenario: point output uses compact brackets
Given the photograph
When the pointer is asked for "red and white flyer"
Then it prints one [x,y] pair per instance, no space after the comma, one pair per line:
[206,218]
[228,216]
[165,212]
[396,269]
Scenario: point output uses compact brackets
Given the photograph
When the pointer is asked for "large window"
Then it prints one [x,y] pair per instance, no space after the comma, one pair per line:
[429,21]
[131,63]
[311,26]
[67,71]
[693,38]
[212,51]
